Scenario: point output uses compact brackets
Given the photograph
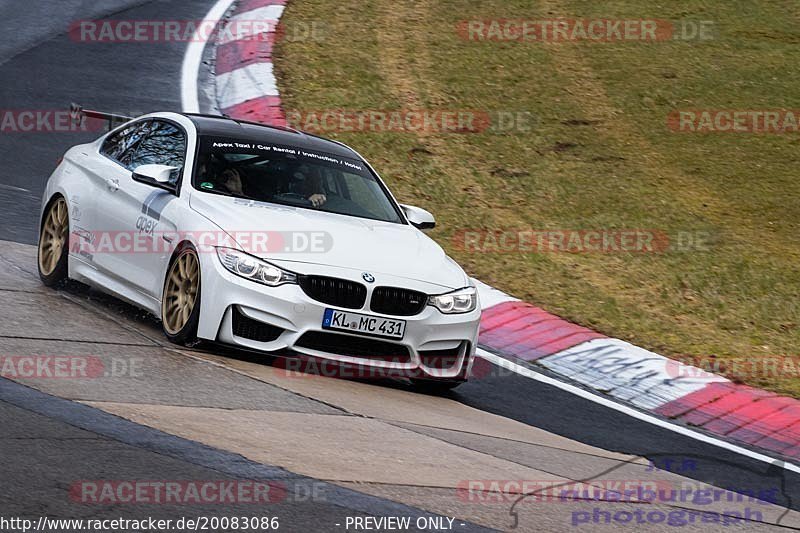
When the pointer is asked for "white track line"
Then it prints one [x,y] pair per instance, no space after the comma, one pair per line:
[577,391]
[190,72]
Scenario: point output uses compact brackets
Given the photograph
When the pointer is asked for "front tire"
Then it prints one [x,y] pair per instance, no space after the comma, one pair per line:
[53,250]
[180,300]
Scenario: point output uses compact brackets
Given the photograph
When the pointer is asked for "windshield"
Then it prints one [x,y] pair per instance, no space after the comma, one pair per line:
[291,176]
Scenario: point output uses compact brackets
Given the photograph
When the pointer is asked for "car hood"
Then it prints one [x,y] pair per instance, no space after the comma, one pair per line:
[297,236]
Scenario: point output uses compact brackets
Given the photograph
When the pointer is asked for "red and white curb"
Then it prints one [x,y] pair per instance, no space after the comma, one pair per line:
[644,379]
[519,336]
[245,81]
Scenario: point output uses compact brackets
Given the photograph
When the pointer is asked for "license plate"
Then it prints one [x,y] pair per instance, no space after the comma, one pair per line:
[364,324]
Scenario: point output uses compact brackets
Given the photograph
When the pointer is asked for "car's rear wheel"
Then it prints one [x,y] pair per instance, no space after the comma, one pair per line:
[180,302]
[53,249]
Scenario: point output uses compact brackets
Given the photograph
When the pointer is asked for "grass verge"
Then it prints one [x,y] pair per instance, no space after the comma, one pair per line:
[598,157]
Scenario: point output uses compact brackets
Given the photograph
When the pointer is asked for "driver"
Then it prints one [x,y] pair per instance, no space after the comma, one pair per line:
[310,182]
[300,180]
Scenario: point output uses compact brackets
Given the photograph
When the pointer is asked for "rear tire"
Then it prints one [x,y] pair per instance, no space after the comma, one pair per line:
[53,250]
[180,300]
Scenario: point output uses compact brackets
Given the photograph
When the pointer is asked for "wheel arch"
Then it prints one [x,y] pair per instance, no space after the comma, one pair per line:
[46,207]
[61,270]
[180,247]
[182,334]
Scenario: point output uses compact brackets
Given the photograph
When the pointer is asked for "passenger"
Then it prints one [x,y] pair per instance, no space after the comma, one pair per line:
[232,181]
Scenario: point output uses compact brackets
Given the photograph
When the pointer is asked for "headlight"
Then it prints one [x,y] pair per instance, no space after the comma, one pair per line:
[253,268]
[460,301]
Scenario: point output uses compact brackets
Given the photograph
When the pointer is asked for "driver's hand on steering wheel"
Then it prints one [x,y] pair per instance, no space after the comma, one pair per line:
[317,200]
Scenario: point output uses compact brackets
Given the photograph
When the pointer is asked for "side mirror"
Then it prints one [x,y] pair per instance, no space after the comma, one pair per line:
[418,217]
[155,176]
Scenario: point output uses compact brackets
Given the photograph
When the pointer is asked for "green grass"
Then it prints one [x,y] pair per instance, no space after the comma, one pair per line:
[599,156]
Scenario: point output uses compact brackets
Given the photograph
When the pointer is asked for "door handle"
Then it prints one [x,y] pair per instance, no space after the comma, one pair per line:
[112,184]
[169,235]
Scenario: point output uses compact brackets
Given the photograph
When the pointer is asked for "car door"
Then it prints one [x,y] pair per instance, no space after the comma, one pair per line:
[141,217]
[104,173]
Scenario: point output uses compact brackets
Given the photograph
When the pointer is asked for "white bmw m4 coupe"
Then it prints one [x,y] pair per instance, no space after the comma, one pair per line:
[260,237]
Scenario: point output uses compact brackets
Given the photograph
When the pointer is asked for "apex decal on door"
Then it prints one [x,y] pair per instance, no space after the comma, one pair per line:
[152,208]
[146,225]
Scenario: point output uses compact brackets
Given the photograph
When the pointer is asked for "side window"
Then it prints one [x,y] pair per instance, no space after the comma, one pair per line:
[121,145]
[164,144]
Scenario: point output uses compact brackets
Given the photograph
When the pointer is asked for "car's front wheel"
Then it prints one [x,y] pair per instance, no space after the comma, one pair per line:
[53,249]
[180,301]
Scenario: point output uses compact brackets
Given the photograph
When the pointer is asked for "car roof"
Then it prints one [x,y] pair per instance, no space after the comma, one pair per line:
[219,126]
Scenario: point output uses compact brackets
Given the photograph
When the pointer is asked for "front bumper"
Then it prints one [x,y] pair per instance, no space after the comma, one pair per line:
[428,335]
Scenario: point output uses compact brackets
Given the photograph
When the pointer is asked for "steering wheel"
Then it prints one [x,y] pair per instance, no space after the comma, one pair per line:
[293,198]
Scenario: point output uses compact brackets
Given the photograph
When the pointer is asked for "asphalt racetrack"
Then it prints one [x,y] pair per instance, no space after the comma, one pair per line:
[368,449]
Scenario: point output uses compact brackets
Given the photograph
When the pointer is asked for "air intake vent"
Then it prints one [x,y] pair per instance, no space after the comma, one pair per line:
[352,346]
[253,329]
[441,359]
[334,291]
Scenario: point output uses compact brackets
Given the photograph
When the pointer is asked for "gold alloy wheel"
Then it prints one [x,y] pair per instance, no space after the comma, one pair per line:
[180,292]
[54,237]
